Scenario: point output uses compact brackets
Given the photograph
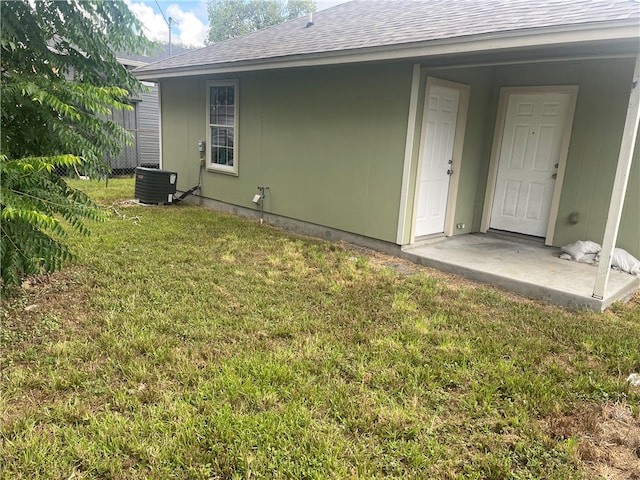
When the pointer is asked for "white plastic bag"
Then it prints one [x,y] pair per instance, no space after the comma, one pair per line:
[625,261]
[582,251]
[586,251]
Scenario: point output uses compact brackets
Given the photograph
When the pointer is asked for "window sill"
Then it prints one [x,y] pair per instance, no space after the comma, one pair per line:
[233,171]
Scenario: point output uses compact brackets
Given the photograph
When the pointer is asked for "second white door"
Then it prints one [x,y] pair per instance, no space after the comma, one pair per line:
[437,154]
[534,128]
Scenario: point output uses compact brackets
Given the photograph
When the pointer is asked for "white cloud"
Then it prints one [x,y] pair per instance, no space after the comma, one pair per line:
[154,25]
[324,4]
[189,30]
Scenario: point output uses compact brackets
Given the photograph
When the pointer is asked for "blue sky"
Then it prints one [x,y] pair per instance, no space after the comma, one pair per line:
[191,16]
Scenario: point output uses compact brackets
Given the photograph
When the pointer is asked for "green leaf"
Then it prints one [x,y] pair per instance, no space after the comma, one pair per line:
[60,82]
[232,18]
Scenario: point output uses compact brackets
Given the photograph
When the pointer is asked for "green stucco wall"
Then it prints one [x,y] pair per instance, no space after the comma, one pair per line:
[593,152]
[603,96]
[329,142]
[473,169]
[629,236]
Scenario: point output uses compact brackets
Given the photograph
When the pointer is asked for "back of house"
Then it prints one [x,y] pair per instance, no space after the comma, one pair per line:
[396,121]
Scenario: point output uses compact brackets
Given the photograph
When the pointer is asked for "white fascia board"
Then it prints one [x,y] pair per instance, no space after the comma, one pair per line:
[474,44]
[133,63]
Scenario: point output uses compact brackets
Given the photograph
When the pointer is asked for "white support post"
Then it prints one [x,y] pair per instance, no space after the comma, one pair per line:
[408,152]
[629,135]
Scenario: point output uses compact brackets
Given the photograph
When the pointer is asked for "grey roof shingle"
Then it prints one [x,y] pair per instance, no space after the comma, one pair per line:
[154,56]
[363,24]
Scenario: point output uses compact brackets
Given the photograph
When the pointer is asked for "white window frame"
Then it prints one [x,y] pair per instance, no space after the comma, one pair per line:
[214,167]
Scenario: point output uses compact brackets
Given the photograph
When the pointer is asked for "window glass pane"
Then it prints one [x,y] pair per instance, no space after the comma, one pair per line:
[221,107]
[229,96]
[222,156]
[222,146]
[227,117]
[213,111]
[222,136]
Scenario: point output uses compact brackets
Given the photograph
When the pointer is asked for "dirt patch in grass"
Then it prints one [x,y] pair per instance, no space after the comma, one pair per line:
[61,296]
[379,260]
[606,440]
[450,282]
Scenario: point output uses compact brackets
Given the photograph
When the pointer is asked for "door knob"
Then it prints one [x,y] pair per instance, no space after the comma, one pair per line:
[554,175]
[449,172]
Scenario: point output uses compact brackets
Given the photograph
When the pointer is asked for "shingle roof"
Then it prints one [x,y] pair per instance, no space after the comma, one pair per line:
[154,56]
[366,24]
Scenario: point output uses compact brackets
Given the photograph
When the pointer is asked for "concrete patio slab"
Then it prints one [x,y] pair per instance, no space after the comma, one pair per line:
[524,266]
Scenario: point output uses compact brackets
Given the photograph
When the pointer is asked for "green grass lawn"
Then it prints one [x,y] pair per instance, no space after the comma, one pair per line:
[186,343]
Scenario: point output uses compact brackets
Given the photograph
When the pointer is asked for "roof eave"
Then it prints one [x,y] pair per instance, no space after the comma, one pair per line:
[133,63]
[460,45]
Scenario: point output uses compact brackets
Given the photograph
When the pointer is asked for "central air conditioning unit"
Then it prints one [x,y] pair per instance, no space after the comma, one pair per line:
[155,186]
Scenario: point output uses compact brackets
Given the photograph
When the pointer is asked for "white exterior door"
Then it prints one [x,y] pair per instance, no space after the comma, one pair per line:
[534,128]
[437,153]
